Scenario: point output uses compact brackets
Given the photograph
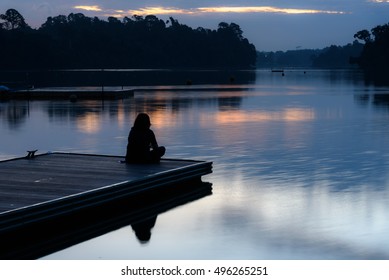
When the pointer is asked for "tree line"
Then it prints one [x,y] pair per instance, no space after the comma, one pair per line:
[77,41]
[369,52]
[332,57]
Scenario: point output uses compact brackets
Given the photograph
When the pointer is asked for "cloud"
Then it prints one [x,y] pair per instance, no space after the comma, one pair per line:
[160,10]
[89,8]
[264,9]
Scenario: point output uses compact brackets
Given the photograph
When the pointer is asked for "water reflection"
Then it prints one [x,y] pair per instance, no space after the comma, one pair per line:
[300,166]
[128,77]
[380,100]
[287,114]
[14,114]
[140,212]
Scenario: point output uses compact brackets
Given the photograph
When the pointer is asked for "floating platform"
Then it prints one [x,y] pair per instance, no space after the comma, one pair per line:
[76,93]
[68,93]
[43,197]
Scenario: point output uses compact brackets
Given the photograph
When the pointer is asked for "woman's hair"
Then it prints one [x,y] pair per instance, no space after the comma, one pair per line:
[142,121]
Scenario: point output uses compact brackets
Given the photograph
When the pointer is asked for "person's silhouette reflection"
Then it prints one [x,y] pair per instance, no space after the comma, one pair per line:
[143,228]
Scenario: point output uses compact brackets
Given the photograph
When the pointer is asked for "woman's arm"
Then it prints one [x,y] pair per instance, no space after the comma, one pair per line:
[153,140]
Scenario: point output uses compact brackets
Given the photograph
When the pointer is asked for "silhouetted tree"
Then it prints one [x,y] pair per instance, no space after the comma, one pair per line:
[363,35]
[13,20]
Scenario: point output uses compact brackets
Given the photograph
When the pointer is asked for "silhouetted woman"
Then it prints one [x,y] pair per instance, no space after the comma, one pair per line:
[142,145]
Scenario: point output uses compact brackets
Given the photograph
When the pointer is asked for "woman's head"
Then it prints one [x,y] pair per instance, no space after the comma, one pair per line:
[142,121]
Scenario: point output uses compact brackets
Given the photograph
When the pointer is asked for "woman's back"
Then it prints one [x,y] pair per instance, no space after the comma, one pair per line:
[142,145]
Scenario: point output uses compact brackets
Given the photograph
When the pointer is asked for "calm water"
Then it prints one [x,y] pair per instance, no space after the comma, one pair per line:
[300,166]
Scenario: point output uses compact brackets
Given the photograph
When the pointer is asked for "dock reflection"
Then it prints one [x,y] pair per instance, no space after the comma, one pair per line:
[140,212]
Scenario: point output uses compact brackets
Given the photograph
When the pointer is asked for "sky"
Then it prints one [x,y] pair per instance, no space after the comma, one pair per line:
[271,25]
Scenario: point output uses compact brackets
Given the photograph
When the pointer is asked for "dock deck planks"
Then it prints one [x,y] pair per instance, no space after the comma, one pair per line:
[59,174]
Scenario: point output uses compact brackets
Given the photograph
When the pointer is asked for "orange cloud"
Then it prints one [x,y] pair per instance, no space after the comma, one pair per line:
[264,9]
[88,8]
[159,10]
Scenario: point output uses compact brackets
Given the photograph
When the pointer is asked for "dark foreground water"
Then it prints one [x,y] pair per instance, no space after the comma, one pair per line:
[300,166]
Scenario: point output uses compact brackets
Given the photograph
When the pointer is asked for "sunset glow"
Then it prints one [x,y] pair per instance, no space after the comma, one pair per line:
[160,10]
[89,8]
[264,9]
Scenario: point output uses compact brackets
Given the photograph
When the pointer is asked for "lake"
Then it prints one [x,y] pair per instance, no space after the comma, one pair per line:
[300,165]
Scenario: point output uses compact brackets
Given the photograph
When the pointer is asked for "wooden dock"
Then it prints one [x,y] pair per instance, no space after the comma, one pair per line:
[45,193]
[111,92]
